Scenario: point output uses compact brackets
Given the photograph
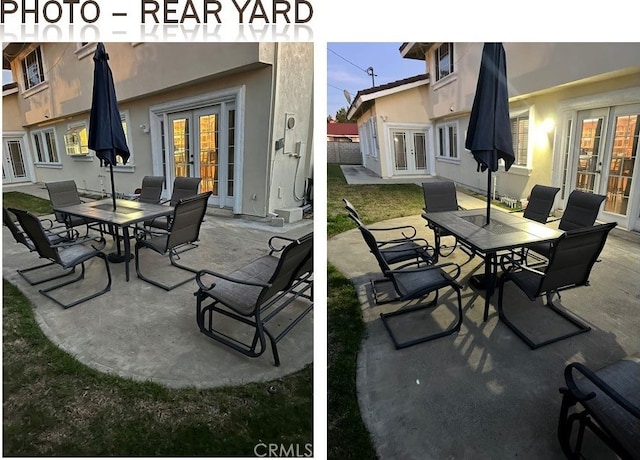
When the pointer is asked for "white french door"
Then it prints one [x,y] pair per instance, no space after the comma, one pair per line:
[603,160]
[202,144]
[14,167]
[621,171]
[409,149]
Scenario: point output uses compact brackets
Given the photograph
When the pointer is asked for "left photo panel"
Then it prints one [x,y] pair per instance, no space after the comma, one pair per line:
[158,249]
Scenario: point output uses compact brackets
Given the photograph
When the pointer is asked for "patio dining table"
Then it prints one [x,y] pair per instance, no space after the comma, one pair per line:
[126,214]
[505,231]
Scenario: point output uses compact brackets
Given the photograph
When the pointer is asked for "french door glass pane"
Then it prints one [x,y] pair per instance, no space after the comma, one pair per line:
[209,162]
[400,148]
[622,163]
[588,166]
[17,161]
[420,150]
[181,151]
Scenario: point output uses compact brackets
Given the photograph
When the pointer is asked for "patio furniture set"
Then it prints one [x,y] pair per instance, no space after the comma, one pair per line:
[252,296]
[540,261]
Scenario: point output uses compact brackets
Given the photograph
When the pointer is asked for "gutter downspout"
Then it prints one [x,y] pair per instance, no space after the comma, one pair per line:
[271,145]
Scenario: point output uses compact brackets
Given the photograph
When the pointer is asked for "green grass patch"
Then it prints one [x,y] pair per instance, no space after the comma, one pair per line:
[347,435]
[55,406]
[375,203]
[19,200]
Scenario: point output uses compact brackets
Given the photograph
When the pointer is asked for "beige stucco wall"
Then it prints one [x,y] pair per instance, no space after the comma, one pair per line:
[11,118]
[137,70]
[293,97]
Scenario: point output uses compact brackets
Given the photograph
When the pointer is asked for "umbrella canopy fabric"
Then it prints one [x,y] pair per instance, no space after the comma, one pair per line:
[106,135]
[489,133]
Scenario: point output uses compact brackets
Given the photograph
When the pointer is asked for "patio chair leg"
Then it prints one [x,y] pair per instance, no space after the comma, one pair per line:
[427,338]
[46,292]
[581,327]
[31,282]
[374,283]
[172,258]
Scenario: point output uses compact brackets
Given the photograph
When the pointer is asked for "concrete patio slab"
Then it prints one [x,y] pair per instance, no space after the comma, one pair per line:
[141,332]
[482,393]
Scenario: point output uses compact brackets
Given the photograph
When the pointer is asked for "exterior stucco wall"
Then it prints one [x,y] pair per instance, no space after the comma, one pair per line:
[137,71]
[11,117]
[293,98]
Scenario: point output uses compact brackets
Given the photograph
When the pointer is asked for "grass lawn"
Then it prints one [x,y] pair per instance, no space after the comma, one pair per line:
[55,406]
[348,437]
[375,203]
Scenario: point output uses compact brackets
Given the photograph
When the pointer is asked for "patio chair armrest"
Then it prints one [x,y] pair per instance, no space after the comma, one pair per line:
[273,248]
[410,228]
[428,267]
[66,244]
[204,287]
[70,234]
[420,241]
[598,382]
[508,258]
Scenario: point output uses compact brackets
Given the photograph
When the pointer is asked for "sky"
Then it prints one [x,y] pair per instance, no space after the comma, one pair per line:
[347,64]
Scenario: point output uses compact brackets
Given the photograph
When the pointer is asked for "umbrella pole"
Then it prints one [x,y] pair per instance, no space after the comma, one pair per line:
[488,196]
[113,187]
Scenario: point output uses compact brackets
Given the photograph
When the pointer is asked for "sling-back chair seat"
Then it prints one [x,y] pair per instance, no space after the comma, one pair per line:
[398,250]
[184,230]
[540,203]
[183,187]
[571,261]
[255,294]
[151,190]
[581,211]
[55,236]
[65,193]
[440,196]
[67,254]
[606,401]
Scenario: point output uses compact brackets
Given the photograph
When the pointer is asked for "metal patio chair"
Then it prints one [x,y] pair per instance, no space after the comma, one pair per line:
[412,281]
[570,263]
[581,211]
[20,237]
[183,187]
[65,193]
[256,294]
[184,230]
[440,196]
[398,250]
[151,190]
[540,203]
[67,254]
[606,401]
[407,231]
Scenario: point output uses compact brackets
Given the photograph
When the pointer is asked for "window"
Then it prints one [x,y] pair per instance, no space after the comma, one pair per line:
[448,140]
[45,146]
[84,49]
[520,135]
[444,60]
[369,137]
[76,140]
[32,69]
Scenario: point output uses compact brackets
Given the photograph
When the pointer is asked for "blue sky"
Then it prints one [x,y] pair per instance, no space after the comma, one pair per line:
[385,59]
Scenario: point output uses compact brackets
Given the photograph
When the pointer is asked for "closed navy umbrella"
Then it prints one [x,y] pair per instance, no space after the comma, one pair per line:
[106,135]
[489,132]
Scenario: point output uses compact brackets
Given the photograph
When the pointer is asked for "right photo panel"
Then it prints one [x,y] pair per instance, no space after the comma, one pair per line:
[483,219]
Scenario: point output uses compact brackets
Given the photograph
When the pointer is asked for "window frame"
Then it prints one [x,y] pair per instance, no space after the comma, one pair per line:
[42,151]
[27,86]
[438,61]
[521,145]
[451,149]
[78,126]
